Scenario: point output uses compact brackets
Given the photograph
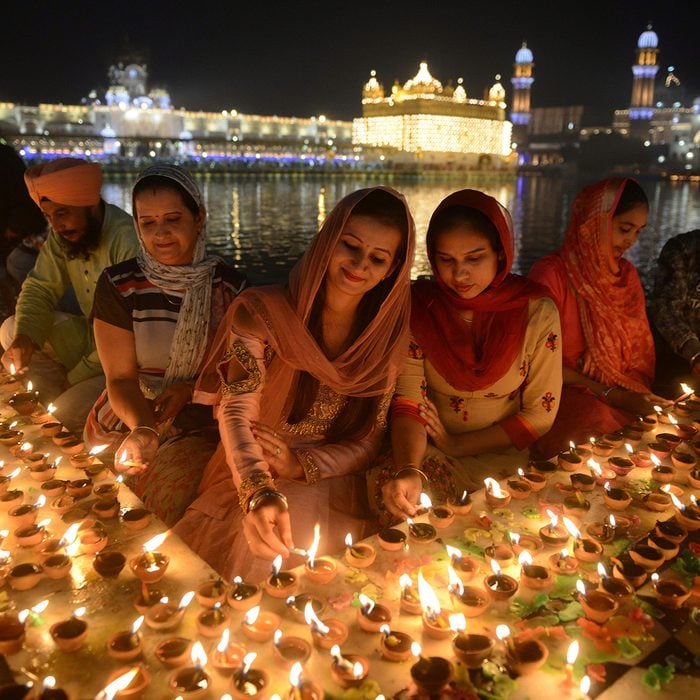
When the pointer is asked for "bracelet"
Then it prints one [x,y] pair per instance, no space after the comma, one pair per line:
[694,359]
[411,468]
[146,427]
[256,499]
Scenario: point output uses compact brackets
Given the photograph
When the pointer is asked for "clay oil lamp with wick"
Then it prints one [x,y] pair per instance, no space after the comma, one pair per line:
[495,496]
[632,435]
[10,498]
[6,479]
[42,416]
[570,460]
[302,688]
[281,584]
[360,555]
[465,567]
[409,601]
[683,462]
[421,533]
[598,606]
[70,635]
[320,570]
[532,575]
[659,449]
[615,439]
[106,510]
[668,548]
[519,489]
[461,504]
[585,549]
[536,480]
[603,532]
[585,449]
[53,488]
[601,447]
[24,402]
[430,674]
[618,588]
[211,621]
[211,592]
[174,652]
[523,655]
[580,481]
[662,414]
[12,632]
[471,649]
[600,474]
[688,517]
[348,671]
[11,437]
[694,478]
[440,516]
[136,518]
[498,585]
[658,501]
[660,473]
[127,681]
[227,655]
[371,615]
[260,625]
[55,545]
[564,564]
[25,514]
[325,634]
[391,539]
[576,505]
[394,645]
[150,566]
[126,646]
[616,498]
[622,466]
[191,681]
[29,536]
[296,605]
[289,650]
[165,615]
[524,542]
[671,593]
[109,490]
[555,534]
[671,530]
[543,467]
[625,568]
[249,683]
[673,440]
[436,620]
[243,596]
[11,381]
[648,557]
[469,600]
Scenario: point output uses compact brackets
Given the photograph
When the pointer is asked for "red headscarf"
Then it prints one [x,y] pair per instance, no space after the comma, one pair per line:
[612,308]
[473,358]
[70,181]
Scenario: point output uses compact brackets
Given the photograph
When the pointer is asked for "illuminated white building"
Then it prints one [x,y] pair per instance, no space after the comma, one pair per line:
[428,121]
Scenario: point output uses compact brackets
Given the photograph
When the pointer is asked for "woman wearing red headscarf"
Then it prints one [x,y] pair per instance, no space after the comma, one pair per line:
[608,349]
[484,373]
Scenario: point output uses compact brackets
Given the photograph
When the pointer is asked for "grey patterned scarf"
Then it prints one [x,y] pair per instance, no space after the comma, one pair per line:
[195,280]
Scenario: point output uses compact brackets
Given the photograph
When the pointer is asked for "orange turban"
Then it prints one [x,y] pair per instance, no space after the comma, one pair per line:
[70,181]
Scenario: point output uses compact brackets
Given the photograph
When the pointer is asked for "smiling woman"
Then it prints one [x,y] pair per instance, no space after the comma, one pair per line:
[608,346]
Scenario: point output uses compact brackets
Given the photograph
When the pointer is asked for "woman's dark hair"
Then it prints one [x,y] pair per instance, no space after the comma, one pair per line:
[632,196]
[158,182]
[359,414]
[457,216]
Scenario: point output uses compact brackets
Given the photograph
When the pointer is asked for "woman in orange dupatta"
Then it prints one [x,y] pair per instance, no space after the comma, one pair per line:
[608,350]
[303,375]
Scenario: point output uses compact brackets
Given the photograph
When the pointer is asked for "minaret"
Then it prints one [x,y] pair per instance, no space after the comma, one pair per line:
[522,83]
[644,71]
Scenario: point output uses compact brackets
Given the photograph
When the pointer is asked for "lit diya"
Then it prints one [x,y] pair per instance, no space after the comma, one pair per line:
[555,534]
[421,533]
[585,549]
[165,615]
[69,635]
[289,649]
[523,655]
[301,688]
[322,570]
[430,674]
[192,681]
[260,625]
[296,604]
[227,655]
[325,634]
[570,460]
[469,600]
[440,516]
[671,593]
[360,555]
[494,495]
[394,645]
[563,563]
[370,615]
[600,474]
[348,671]
[598,606]
[616,498]
[536,480]
[212,621]
[409,602]
[436,621]
[211,592]
[640,458]
[604,531]
[471,649]
[520,542]
[12,632]
[249,682]
[532,575]
[126,646]
[688,516]
[281,584]
[461,504]
[499,585]
[242,595]
[150,566]
[465,567]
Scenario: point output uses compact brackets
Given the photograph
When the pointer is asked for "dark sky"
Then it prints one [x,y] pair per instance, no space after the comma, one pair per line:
[304,58]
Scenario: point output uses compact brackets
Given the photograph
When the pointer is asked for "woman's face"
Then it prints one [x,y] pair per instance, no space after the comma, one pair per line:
[168,228]
[465,261]
[626,229]
[363,257]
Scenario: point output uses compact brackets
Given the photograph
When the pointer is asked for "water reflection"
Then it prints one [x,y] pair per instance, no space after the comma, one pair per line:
[263,225]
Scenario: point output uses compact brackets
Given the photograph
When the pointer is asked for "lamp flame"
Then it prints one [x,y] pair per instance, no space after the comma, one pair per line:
[295,675]
[428,599]
[276,565]
[99,448]
[425,501]
[581,587]
[252,615]
[585,685]
[454,552]
[524,558]
[573,530]
[495,567]
[502,631]
[185,600]
[248,661]
[366,603]
[313,621]
[455,585]
[222,646]
[155,542]
[655,460]
[493,487]
[572,652]
[311,551]
[602,572]
[553,519]
[458,623]
[118,684]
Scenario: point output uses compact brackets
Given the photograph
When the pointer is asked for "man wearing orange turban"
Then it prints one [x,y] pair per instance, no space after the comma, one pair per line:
[87,235]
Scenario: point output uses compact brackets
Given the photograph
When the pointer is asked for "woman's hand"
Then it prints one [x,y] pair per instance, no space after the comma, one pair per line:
[436,430]
[276,452]
[635,402]
[268,531]
[401,494]
[137,450]
[171,401]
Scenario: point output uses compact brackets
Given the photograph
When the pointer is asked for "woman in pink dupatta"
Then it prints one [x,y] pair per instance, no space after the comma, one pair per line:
[302,376]
[608,350]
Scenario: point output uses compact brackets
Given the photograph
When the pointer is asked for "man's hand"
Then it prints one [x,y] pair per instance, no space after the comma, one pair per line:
[19,354]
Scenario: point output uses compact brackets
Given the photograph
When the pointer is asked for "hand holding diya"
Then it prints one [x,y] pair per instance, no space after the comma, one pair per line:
[151,565]
[326,634]
[322,570]
[247,682]
[361,555]
[192,681]
[348,671]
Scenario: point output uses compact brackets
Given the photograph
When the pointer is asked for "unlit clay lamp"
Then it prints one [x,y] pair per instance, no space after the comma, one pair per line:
[211,592]
[391,539]
[525,656]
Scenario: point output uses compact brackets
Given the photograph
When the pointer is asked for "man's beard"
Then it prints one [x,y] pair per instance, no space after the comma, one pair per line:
[87,242]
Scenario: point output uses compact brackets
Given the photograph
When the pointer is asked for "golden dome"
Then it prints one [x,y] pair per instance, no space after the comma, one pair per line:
[460,94]
[423,83]
[497,92]
[373,89]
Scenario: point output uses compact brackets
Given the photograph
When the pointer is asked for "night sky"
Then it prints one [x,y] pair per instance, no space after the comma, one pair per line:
[305,58]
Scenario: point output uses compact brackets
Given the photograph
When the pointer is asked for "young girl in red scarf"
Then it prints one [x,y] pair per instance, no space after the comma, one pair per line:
[608,348]
[483,378]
